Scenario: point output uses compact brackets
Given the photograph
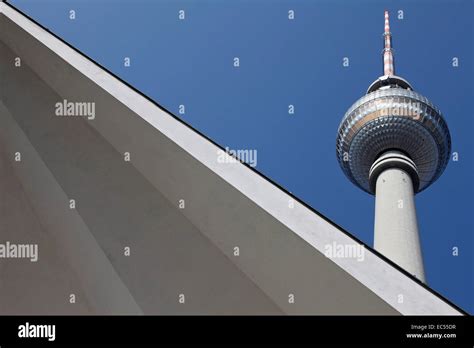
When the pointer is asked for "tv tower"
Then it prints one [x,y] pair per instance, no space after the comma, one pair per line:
[393,143]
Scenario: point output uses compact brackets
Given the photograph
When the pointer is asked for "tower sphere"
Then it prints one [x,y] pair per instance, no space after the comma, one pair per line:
[393,118]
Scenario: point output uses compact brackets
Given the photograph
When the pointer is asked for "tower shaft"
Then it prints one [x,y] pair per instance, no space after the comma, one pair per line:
[396,228]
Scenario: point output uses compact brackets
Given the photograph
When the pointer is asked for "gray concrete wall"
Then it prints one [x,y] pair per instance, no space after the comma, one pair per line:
[174,251]
[119,208]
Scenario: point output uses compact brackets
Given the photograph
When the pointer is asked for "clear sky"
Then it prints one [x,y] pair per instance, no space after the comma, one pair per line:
[298,62]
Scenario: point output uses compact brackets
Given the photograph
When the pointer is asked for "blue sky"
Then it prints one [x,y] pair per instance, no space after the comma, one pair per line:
[298,62]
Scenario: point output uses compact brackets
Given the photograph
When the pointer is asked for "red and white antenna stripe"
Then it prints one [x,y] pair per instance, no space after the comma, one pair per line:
[388,65]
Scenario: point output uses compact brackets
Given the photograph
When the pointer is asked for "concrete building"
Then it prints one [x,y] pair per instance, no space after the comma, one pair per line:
[394,143]
[132,213]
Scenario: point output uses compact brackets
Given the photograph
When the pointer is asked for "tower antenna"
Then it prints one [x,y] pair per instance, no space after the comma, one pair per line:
[388,65]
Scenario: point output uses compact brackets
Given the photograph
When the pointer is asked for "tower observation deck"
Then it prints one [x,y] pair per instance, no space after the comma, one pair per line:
[393,143]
